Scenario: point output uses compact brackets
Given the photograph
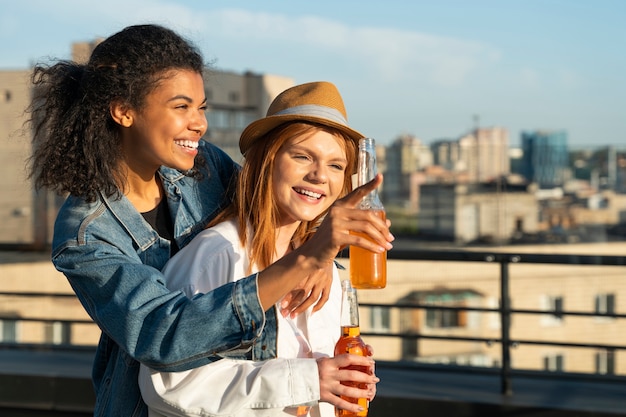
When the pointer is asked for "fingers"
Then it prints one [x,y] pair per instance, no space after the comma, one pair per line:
[306,303]
[371,389]
[291,301]
[336,381]
[370,232]
[324,296]
[380,226]
[344,360]
[345,405]
[355,197]
[315,290]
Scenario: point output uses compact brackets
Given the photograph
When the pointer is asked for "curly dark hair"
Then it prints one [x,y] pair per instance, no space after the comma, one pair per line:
[76,142]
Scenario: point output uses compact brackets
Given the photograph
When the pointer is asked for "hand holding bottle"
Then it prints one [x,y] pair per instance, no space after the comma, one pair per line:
[332,371]
[344,225]
[350,342]
[368,269]
[342,217]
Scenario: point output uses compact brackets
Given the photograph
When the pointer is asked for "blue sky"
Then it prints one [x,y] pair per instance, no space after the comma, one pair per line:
[426,68]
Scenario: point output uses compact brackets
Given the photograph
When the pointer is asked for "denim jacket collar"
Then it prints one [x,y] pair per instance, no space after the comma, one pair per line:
[132,221]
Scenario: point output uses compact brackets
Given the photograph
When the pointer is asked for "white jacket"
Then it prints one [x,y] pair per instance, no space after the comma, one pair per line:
[242,388]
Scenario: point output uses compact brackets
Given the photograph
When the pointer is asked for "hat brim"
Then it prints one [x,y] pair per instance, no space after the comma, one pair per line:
[259,128]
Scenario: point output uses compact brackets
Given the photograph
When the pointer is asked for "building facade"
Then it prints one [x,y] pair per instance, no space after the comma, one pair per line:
[545,159]
[481,155]
[404,159]
[489,212]
[17,201]
[484,154]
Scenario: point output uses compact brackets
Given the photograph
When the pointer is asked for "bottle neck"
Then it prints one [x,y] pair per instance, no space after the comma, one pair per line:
[366,171]
[349,306]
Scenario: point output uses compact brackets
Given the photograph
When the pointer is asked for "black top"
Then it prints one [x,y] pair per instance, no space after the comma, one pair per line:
[161,221]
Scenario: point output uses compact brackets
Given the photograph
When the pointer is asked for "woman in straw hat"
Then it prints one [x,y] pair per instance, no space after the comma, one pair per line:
[121,137]
[298,161]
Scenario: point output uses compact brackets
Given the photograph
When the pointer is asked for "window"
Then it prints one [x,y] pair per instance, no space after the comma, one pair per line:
[221,119]
[494,318]
[444,318]
[553,304]
[605,304]
[440,308]
[8,330]
[605,362]
[233,96]
[410,348]
[57,333]
[553,363]
[379,319]
[243,119]
[218,119]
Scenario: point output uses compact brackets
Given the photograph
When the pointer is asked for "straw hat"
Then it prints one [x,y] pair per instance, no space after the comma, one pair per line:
[318,102]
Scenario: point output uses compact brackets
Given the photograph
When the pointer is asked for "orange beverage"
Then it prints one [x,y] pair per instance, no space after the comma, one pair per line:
[303,410]
[351,342]
[368,270]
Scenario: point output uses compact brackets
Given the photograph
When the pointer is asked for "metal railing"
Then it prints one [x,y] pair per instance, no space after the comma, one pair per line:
[505,311]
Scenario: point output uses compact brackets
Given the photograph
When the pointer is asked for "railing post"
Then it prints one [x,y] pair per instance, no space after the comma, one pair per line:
[505,325]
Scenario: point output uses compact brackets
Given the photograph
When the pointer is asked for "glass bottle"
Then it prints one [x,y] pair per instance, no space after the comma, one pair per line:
[368,269]
[350,342]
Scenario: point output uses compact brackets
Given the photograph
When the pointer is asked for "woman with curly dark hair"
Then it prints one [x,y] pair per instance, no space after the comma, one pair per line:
[121,137]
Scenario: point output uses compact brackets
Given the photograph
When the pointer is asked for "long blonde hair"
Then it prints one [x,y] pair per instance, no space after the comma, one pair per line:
[254,205]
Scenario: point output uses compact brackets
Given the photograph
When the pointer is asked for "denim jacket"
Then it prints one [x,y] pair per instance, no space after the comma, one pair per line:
[112,258]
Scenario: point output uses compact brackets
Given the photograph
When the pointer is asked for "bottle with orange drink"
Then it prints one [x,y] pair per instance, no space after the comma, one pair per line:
[368,269]
[351,342]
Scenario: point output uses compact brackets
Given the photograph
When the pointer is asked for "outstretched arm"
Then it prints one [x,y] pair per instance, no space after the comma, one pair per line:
[247,388]
[309,261]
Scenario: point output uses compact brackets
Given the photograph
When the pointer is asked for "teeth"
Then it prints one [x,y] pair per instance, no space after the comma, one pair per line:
[187,143]
[309,193]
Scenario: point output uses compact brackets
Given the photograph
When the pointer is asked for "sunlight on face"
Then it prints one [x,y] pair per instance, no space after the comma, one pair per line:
[308,176]
[168,129]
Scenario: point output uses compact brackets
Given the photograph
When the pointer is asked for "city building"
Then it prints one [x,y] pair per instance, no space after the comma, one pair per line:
[446,154]
[482,155]
[405,157]
[233,101]
[545,159]
[17,203]
[491,212]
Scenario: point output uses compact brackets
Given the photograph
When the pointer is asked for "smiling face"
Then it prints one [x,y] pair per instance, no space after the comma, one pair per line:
[167,129]
[308,176]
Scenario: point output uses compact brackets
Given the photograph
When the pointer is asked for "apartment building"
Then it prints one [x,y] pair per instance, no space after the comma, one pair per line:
[494,211]
[545,159]
[17,201]
[405,157]
[484,154]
